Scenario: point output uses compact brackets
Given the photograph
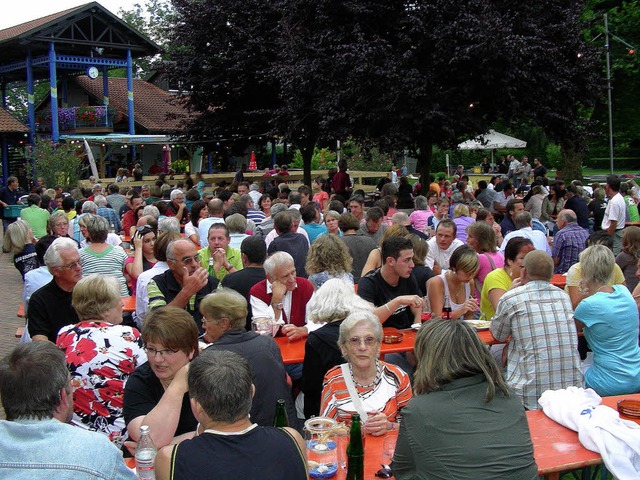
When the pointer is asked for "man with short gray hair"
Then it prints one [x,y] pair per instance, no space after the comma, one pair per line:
[50,306]
[542,353]
[38,402]
[570,240]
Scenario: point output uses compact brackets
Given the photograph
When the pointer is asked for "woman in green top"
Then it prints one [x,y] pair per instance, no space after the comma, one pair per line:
[496,283]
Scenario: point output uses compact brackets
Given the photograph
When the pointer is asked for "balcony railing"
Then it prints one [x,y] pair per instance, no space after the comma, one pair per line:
[84,117]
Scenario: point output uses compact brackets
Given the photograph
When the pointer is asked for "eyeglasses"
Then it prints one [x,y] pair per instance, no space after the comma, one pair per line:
[71,266]
[152,352]
[357,341]
[63,224]
[187,260]
[211,320]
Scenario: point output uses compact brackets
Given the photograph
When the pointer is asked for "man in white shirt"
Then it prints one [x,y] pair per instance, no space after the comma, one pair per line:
[142,295]
[442,246]
[216,214]
[615,214]
[502,198]
[522,221]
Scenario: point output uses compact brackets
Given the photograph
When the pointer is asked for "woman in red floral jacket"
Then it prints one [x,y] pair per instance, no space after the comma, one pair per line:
[101,354]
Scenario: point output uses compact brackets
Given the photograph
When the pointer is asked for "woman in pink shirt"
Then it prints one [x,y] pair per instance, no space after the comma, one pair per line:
[481,237]
[421,214]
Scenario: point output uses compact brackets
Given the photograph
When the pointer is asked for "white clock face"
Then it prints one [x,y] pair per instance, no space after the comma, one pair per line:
[92,72]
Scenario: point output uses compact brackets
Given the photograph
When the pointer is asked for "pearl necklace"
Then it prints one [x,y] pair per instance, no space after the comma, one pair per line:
[376,380]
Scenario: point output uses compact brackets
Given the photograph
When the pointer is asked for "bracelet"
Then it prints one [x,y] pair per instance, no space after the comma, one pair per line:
[388,309]
[393,426]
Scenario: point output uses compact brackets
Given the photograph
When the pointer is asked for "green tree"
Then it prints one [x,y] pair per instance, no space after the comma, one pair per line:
[404,74]
[57,164]
[154,21]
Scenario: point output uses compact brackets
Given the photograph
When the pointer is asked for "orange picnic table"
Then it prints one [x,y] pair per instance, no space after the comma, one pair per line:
[557,448]
[559,280]
[293,350]
[128,305]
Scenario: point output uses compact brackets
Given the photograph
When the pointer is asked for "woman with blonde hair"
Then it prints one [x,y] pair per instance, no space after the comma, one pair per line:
[456,284]
[329,306]
[449,427]
[462,220]
[627,259]
[328,258]
[20,241]
[101,354]
[608,316]
[332,222]
[374,261]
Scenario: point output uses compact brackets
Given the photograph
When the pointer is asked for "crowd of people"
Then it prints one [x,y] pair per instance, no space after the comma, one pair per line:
[332,267]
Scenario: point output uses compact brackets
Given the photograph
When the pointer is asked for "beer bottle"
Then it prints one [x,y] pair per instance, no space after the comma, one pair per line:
[355,451]
[446,309]
[281,419]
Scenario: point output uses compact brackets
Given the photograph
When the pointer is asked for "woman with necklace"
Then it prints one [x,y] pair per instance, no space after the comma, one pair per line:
[608,316]
[497,282]
[376,390]
[456,284]
[228,445]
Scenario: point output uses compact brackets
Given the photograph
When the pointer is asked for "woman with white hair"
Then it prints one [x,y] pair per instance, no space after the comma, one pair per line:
[330,305]
[376,390]
[608,316]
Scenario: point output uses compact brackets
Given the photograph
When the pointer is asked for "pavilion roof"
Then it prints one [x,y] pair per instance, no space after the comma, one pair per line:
[87,30]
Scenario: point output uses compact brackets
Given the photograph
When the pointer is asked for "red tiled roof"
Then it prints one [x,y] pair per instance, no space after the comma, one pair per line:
[10,124]
[16,30]
[155,110]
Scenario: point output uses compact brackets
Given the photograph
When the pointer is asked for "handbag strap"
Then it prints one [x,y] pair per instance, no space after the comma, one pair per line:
[493,265]
[353,393]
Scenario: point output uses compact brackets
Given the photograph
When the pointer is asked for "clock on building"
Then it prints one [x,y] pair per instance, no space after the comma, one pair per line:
[92,72]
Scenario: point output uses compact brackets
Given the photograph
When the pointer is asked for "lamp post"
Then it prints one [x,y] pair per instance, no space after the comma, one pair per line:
[610,105]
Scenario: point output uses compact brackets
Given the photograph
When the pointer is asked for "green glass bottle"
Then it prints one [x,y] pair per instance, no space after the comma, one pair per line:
[355,450]
[281,419]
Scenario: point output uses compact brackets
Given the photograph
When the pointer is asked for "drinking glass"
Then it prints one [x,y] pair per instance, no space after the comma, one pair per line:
[262,325]
[388,449]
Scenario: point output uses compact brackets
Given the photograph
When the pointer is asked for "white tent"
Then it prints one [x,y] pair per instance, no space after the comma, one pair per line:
[492,140]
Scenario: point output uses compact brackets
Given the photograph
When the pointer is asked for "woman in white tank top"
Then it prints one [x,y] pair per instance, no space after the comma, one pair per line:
[456,284]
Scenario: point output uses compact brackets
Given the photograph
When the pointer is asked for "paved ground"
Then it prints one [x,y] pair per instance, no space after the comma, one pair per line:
[10,298]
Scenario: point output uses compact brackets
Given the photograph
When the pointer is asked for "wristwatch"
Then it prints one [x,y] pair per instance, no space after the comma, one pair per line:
[277,305]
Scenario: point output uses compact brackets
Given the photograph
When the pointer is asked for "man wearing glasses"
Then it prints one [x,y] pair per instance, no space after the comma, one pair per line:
[50,307]
[185,284]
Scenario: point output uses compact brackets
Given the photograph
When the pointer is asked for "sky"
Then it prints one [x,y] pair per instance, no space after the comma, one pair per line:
[17,12]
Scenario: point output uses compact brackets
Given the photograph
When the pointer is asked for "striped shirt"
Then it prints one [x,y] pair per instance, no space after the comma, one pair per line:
[389,395]
[110,262]
[543,351]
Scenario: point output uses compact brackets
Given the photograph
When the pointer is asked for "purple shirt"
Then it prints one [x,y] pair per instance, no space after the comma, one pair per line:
[567,245]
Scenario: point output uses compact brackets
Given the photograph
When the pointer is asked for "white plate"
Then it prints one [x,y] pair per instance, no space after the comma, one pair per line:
[416,326]
[479,324]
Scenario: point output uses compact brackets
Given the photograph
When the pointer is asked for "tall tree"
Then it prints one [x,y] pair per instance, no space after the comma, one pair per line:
[417,73]
[463,64]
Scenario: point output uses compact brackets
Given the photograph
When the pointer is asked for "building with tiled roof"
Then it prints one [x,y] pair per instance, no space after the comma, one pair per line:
[10,124]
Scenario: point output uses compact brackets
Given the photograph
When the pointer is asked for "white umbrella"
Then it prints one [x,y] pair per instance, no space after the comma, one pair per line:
[490,141]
